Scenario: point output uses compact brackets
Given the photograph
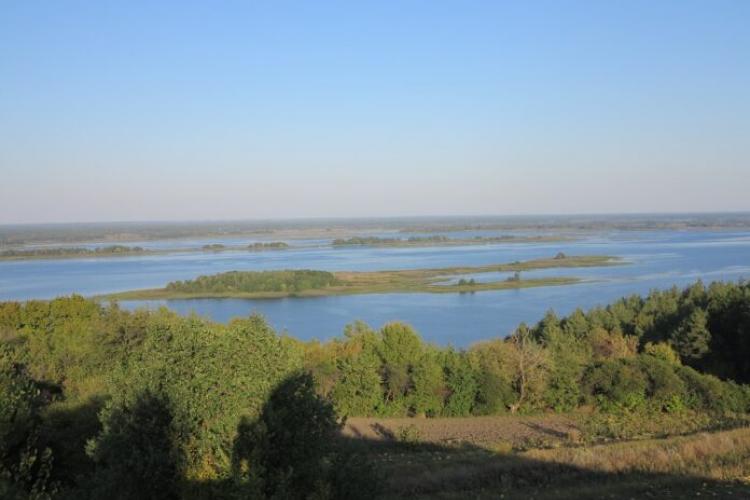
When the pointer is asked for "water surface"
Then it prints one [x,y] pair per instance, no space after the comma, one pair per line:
[658,259]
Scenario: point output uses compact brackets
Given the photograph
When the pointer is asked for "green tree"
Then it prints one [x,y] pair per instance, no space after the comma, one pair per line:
[429,386]
[286,451]
[358,389]
[529,366]
[692,338]
[137,454]
[25,463]
[400,351]
[461,384]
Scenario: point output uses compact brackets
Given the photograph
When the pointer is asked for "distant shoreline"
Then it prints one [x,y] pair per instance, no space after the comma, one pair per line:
[18,235]
[57,253]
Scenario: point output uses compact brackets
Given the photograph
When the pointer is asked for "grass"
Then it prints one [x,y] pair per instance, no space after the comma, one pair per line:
[400,281]
[554,460]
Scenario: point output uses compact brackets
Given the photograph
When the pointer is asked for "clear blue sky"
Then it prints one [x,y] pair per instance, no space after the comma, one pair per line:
[184,110]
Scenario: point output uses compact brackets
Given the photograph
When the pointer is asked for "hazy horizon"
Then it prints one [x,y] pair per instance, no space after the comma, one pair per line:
[467,218]
[175,112]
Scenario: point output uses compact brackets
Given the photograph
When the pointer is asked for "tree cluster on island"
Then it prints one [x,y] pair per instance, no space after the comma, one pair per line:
[273,245]
[256,281]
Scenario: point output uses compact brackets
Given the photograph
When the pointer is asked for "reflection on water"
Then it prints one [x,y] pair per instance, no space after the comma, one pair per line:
[655,260]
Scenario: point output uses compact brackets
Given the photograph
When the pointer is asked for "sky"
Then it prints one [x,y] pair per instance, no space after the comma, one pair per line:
[243,110]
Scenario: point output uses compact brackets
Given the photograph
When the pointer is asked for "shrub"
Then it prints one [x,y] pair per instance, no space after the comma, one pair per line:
[616,385]
[666,390]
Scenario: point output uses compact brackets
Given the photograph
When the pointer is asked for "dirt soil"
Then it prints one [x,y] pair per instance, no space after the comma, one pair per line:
[518,431]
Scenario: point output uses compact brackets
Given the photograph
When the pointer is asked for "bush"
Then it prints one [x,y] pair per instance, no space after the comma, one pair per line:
[616,385]
[666,390]
[706,392]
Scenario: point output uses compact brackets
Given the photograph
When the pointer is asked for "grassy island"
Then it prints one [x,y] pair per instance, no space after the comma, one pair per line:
[68,252]
[310,283]
[439,240]
[263,246]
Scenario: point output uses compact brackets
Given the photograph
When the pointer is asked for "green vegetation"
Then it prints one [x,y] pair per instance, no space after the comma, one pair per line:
[98,402]
[377,241]
[122,250]
[252,282]
[62,252]
[307,283]
[274,245]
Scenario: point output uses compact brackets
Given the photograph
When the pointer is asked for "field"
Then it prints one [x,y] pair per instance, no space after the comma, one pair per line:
[400,281]
[548,456]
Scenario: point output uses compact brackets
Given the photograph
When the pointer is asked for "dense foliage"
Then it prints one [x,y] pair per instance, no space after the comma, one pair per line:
[98,402]
[255,281]
[672,350]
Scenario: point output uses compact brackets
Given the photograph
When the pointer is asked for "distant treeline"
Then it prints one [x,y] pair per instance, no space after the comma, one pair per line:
[134,231]
[255,281]
[440,239]
[74,251]
[374,240]
[97,402]
[274,245]
[255,247]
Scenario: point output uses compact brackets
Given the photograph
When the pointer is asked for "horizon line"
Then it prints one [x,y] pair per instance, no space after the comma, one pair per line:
[373,217]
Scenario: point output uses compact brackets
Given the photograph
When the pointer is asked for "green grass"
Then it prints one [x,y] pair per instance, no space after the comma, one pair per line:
[400,281]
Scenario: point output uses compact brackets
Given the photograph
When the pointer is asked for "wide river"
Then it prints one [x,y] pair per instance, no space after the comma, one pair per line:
[658,259]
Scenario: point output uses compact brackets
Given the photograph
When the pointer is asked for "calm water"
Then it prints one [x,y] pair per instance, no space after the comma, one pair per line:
[655,260]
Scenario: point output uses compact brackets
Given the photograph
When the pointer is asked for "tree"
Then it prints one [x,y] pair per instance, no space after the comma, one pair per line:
[25,463]
[137,454]
[529,363]
[691,339]
[358,389]
[491,363]
[429,386]
[285,452]
[662,351]
[461,384]
[400,350]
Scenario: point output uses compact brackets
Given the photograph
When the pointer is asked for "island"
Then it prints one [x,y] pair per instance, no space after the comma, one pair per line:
[264,246]
[314,283]
[71,252]
[440,240]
